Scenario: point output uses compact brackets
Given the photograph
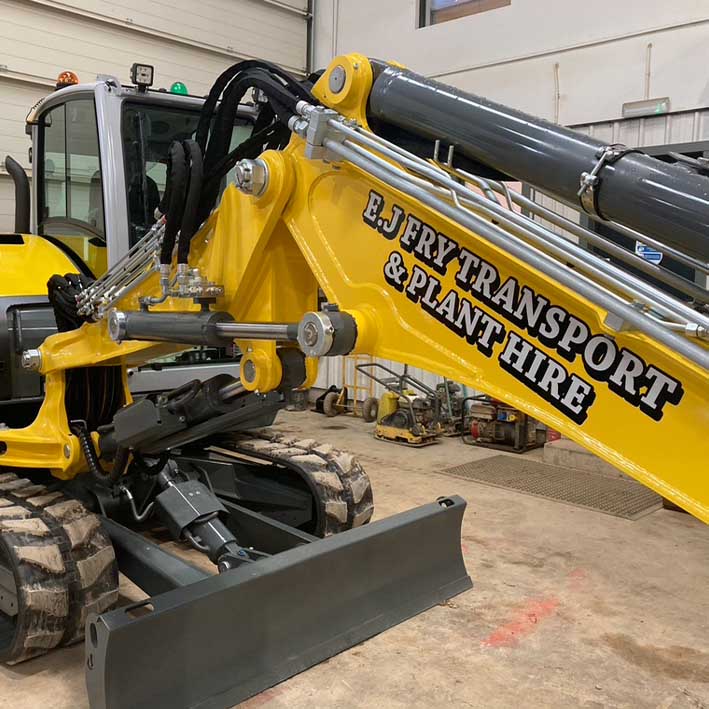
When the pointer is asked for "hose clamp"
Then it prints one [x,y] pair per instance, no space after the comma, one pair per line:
[590,182]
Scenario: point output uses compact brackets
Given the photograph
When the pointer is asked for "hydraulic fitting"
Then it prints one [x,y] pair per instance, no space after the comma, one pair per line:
[32,360]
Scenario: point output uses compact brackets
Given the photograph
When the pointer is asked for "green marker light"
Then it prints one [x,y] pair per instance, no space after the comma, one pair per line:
[179,88]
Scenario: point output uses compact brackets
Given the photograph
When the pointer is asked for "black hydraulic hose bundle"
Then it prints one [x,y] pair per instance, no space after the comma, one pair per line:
[282,93]
[195,168]
[272,74]
[93,394]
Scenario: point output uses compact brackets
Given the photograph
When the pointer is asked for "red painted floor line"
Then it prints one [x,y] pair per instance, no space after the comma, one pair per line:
[523,623]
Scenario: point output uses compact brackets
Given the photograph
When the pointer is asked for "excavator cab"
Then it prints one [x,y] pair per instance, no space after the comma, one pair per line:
[99,163]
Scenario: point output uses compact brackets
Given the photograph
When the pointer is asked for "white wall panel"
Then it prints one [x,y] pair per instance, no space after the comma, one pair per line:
[7,203]
[511,54]
[250,28]
[686,127]
[185,41]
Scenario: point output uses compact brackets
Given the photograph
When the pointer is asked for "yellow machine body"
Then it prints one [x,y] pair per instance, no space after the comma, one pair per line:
[27,266]
[93,254]
[404,436]
[309,229]
[388,404]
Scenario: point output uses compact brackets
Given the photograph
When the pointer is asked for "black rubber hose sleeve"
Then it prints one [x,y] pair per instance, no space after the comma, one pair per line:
[99,474]
[173,204]
[194,192]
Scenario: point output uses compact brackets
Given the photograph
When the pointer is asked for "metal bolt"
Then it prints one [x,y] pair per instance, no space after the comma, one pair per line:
[310,334]
[251,176]
[315,334]
[249,370]
[67,451]
[117,325]
[31,359]
[338,76]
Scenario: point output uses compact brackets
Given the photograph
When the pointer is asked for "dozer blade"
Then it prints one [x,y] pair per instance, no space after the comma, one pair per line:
[219,641]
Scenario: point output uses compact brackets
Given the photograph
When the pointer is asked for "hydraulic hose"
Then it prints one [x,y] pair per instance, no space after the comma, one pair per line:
[173,201]
[226,77]
[194,192]
[87,447]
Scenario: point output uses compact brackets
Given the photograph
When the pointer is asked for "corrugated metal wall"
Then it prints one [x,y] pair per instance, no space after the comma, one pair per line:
[672,128]
[186,41]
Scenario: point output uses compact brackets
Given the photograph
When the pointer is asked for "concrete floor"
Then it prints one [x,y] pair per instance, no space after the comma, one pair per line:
[571,608]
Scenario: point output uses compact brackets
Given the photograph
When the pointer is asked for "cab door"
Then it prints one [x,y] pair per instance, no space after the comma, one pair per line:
[70,208]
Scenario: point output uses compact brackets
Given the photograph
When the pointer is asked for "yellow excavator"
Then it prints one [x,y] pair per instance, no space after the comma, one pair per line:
[341,187]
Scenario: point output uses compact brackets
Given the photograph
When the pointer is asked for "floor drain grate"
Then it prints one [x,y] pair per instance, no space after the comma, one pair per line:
[614,496]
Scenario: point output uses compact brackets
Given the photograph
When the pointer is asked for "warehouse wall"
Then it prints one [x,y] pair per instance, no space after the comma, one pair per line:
[186,41]
[599,51]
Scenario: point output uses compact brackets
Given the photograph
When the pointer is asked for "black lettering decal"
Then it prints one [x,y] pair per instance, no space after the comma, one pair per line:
[389,228]
[411,233]
[547,377]
[448,308]
[417,283]
[428,300]
[468,320]
[492,331]
[599,356]
[469,264]
[486,281]
[374,208]
[395,272]
[575,336]
[663,389]
[505,297]
[551,327]
[447,250]
[627,376]
[625,373]
[529,310]
[427,239]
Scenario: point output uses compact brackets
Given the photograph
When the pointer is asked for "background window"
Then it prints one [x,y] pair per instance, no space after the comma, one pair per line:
[433,12]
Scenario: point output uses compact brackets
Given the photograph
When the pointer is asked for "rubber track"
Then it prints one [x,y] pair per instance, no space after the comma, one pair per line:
[343,491]
[64,566]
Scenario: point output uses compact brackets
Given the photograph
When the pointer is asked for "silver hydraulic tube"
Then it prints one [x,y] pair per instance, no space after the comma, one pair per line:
[695,263]
[399,180]
[662,274]
[610,274]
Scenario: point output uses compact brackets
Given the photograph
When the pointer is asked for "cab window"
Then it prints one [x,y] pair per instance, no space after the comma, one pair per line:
[71,194]
[148,132]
